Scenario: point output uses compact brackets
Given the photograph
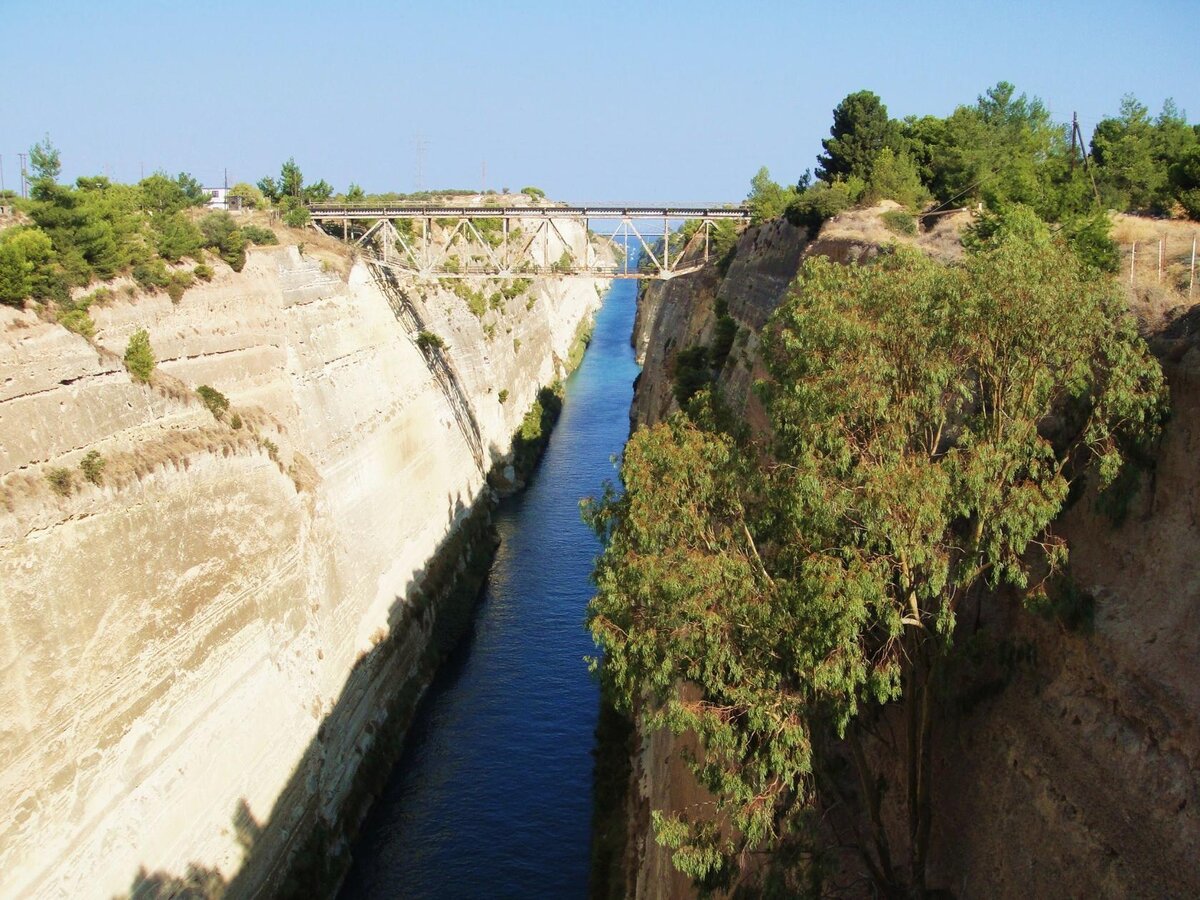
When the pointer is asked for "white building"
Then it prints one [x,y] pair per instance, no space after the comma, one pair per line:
[218,198]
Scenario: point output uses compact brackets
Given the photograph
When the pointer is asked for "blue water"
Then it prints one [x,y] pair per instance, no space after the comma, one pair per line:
[492,797]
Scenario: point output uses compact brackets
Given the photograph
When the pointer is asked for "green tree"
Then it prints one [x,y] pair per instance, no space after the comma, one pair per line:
[291,179]
[223,235]
[250,196]
[860,129]
[767,200]
[44,160]
[1123,148]
[296,217]
[773,607]
[318,192]
[15,270]
[1185,181]
[354,193]
[824,200]
[269,188]
[139,355]
[162,194]
[176,237]
[27,262]
[994,150]
[894,176]
[192,189]
[81,228]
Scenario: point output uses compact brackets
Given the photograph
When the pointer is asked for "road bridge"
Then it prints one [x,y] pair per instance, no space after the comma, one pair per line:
[508,241]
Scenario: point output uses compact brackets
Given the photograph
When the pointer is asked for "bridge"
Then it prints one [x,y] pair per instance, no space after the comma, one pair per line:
[509,241]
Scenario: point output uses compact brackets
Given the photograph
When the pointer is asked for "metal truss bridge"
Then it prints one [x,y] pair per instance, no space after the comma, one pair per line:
[509,241]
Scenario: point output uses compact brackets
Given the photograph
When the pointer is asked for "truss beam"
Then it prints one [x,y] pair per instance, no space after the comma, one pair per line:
[428,253]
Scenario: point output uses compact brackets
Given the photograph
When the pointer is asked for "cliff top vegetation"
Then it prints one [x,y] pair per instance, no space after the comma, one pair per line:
[1003,150]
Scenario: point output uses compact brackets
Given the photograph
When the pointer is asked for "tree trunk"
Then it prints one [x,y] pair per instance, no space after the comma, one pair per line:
[912,712]
[870,791]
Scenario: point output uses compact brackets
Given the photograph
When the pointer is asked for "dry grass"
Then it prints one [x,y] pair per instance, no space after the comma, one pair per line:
[1126,229]
[1158,293]
[170,449]
[303,473]
[943,240]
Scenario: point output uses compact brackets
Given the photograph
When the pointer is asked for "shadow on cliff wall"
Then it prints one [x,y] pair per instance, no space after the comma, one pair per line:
[436,360]
[297,851]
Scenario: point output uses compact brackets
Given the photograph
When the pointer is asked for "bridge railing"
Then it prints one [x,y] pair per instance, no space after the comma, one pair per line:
[365,210]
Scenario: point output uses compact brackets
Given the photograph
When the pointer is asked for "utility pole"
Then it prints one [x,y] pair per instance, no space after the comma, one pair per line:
[1074,131]
[1,173]
[21,157]
[483,178]
[420,145]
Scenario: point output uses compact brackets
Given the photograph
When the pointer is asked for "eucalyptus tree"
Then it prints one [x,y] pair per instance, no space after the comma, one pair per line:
[773,597]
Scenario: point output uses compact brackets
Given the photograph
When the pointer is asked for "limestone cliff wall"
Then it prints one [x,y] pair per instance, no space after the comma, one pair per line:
[680,313]
[196,653]
[672,316]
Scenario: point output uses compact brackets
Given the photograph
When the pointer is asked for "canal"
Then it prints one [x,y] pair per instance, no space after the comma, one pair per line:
[492,797]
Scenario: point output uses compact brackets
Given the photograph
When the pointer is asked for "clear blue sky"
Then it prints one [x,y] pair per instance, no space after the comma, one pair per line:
[652,101]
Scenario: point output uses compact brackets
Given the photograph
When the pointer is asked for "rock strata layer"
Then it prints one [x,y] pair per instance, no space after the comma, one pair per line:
[198,651]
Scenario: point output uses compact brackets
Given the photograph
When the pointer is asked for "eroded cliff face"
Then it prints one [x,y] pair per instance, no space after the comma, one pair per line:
[198,652]
[1082,769]
[672,316]
[1069,759]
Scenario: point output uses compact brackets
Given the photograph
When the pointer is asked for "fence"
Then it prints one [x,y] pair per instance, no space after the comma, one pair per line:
[1169,261]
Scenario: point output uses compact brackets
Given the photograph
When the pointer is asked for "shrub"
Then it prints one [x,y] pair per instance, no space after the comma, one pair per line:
[151,275]
[176,237]
[824,201]
[427,340]
[297,217]
[217,403]
[898,221]
[203,271]
[92,465]
[256,234]
[235,421]
[139,355]
[177,283]
[894,176]
[61,481]
[251,197]
[99,296]
[516,345]
[533,193]
[503,395]
[222,234]
[78,321]
[692,373]
[767,200]
[723,336]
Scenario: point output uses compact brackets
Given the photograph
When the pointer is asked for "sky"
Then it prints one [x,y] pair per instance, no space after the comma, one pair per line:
[647,102]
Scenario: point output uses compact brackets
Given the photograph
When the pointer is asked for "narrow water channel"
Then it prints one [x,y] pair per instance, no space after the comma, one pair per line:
[492,797]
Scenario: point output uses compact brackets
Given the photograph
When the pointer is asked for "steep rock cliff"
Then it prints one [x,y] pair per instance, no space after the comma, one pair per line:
[1071,763]
[199,651]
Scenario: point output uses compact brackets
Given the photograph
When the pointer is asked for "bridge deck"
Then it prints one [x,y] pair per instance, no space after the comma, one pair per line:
[420,211]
